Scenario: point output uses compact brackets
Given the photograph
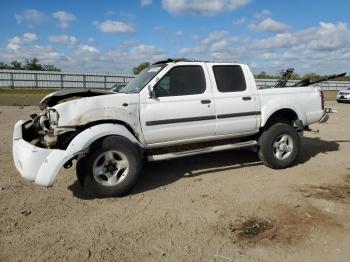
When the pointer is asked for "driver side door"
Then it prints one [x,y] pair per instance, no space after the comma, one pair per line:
[183,109]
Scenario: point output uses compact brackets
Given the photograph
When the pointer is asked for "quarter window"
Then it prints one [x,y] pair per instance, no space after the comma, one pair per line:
[229,78]
[181,81]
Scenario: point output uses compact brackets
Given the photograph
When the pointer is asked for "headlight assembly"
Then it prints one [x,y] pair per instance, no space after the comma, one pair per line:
[53,117]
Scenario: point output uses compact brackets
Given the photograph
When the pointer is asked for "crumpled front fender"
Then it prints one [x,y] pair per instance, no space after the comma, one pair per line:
[43,165]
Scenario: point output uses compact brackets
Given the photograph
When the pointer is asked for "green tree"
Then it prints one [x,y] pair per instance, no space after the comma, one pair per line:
[138,69]
[33,64]
[295,76]
[4,66]
[312,76]
[16,65]
[50,68]
[262,75]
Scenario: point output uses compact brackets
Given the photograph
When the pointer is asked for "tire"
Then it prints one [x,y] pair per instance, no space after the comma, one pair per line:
[279,146]
[80,169]
[111,168]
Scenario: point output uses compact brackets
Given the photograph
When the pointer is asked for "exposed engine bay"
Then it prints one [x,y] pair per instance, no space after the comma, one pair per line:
[45,128]
[43,132]
[67,113]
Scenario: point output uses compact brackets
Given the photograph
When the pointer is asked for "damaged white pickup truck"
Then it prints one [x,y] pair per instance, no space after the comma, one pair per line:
[174,108]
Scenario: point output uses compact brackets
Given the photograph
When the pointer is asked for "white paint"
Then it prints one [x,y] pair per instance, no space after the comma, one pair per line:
[232,103]
[135,110]
[343,95]
[43,165]
[304,101]
[175,107]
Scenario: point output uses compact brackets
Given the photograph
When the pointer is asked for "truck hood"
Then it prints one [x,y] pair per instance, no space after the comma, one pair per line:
[56,97]
[116,107]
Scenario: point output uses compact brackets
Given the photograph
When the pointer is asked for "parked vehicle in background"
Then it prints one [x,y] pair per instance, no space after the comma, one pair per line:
[343,96]
[175,108]
[117,87]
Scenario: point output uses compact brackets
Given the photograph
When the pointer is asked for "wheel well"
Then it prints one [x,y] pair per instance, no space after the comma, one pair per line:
[64,141]
[106,121]
[99,140]
[286,115]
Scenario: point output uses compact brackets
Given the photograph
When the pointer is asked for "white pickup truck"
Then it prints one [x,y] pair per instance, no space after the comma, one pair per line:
[174,108]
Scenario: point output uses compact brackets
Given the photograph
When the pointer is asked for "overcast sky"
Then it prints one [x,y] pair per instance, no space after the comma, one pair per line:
[114,36]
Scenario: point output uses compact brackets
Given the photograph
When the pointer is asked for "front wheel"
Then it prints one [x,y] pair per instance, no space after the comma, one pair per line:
[111,168]
[279,146]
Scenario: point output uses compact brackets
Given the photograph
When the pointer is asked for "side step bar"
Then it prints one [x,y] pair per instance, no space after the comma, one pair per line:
[201,151]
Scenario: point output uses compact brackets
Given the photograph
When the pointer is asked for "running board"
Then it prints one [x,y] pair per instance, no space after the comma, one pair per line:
[201,151]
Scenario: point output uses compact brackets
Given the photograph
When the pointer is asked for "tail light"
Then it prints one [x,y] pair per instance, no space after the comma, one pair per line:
[322,99]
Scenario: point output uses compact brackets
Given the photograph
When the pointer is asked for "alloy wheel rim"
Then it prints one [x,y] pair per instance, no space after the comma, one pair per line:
[110,168]
[283,146]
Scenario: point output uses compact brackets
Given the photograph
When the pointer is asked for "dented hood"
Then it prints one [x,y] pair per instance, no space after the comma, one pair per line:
[56,97]
[116,107]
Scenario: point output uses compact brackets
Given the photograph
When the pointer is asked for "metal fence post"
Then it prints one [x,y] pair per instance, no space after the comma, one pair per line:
[61,80]
[12,82]
[84,81]
[105,82]
[35,80]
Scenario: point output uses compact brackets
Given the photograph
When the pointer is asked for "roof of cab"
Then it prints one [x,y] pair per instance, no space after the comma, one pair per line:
[175,60]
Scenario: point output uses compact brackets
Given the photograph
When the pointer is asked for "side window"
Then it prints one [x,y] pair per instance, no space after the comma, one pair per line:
[182,81]
[229,78]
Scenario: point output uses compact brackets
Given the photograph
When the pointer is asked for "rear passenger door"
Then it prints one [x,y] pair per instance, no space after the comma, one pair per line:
[235,100]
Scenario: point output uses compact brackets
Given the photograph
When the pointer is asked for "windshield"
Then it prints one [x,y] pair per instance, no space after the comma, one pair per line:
[135,85]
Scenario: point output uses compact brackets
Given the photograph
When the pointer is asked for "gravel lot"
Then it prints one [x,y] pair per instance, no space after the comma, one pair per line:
[224,206]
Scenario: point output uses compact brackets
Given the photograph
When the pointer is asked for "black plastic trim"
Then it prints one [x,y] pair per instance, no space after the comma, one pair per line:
[200,118]
[254,113]
[179,120]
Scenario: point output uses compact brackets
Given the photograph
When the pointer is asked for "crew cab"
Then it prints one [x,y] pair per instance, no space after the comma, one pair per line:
[174,108]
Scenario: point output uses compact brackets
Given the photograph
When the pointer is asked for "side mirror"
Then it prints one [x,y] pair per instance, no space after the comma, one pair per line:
[152,92]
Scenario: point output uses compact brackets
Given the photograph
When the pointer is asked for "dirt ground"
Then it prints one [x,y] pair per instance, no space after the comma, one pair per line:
[224,206]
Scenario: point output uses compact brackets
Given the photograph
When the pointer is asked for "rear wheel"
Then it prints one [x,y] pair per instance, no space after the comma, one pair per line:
[279,145]
[111,168]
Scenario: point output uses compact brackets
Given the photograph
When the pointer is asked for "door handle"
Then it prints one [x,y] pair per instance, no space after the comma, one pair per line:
[246,98]
[207,101]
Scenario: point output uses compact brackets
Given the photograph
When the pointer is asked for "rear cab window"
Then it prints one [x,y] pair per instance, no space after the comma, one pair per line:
[229,78]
